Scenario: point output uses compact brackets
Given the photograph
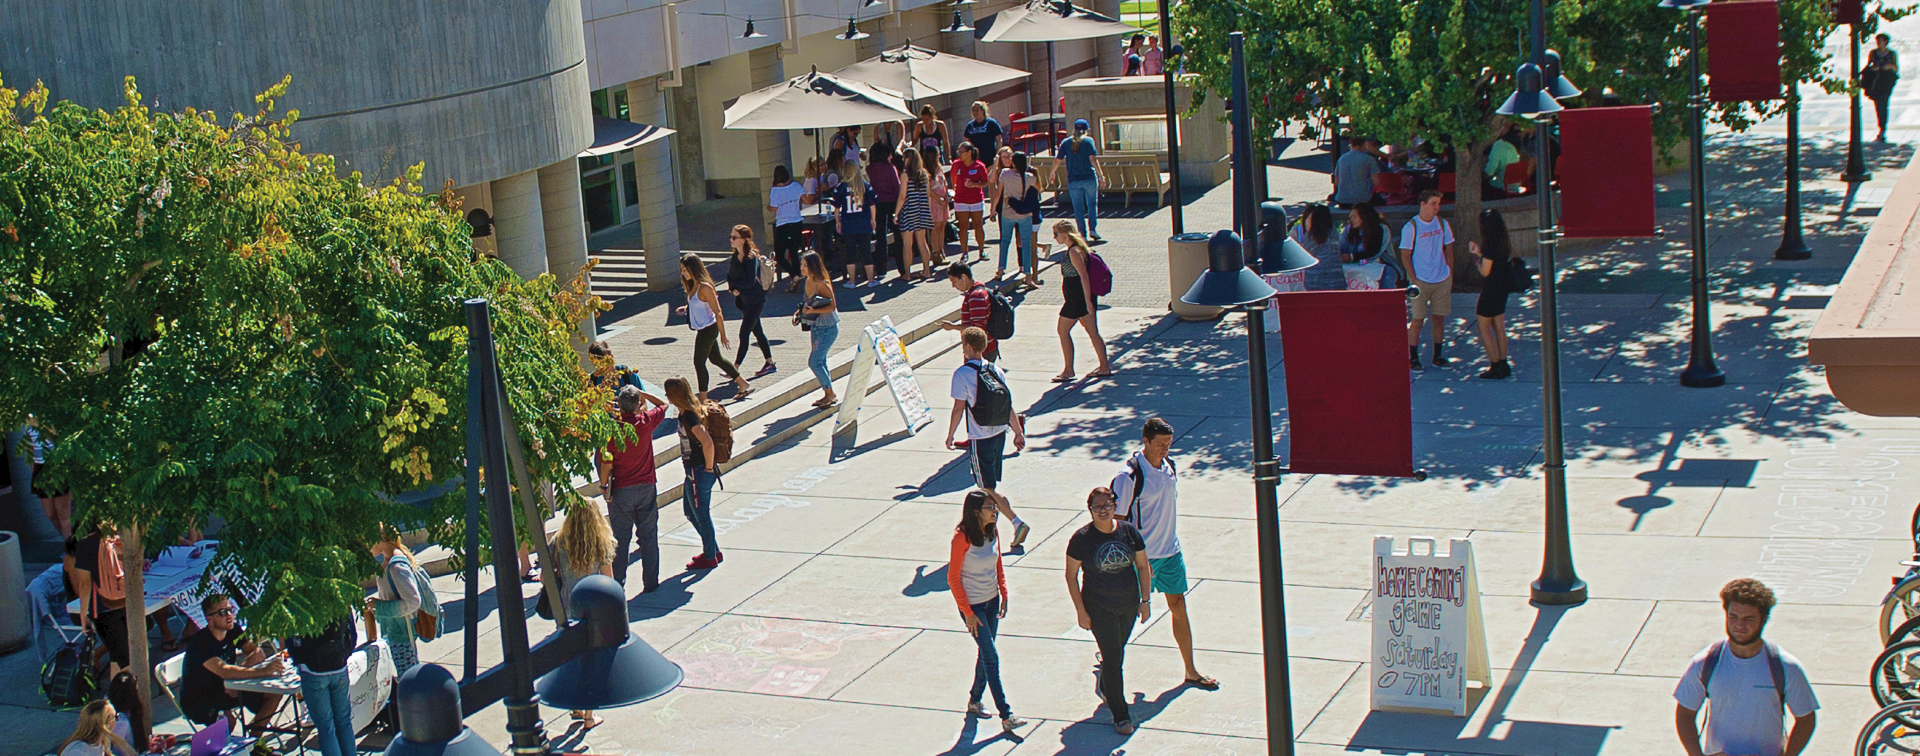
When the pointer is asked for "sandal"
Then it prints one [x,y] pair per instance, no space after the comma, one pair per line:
[1204,683]
[1101,374]
[1063,378]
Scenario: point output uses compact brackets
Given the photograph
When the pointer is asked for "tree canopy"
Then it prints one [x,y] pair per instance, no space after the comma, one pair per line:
[289,343]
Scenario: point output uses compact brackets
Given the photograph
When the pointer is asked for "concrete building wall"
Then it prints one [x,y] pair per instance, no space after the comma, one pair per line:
[728,154]
[653,175]
[476,91]
[519,226]
[771,147]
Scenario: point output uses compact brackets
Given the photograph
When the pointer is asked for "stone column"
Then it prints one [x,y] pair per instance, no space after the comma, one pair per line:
[518,229]
[686,143]
[565,228]
[773,146]
[653,170]
[1108,61]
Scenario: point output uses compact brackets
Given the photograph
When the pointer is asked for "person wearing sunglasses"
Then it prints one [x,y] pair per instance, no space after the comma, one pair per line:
[1108,578]
[222,652]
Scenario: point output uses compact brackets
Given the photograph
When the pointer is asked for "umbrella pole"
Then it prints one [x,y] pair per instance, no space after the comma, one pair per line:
[1051,101]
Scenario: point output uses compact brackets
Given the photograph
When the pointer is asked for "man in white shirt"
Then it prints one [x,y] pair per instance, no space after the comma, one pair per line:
[1426,252]
[989,416]
[1146,494]
[1752,684]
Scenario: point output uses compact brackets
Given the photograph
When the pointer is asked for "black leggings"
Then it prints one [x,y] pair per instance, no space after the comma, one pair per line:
[706,348]
[887,247]
[750,309]
[1110,633]
[788,245]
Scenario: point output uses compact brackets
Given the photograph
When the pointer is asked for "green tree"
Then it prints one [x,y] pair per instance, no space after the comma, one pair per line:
[210,324]
[1437,69]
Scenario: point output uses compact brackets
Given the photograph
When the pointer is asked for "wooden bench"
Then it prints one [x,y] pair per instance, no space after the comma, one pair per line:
[1125,174]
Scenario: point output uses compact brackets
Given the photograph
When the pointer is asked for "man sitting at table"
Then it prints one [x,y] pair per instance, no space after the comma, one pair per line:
[219,653]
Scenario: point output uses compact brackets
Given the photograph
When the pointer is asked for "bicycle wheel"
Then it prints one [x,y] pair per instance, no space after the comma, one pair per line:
[1887,734]
[1896,676]
[1902,605]
[1909,630]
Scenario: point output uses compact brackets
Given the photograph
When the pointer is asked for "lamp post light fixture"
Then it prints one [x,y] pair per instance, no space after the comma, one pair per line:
[853,32]
[1792,246]
[1538,83]
[958,25]
[1169,53]
[751,33]
[1701,372]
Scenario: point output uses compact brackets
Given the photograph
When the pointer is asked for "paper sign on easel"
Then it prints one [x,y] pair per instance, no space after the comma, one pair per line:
[880,348]
[1283,283]
[1429,638]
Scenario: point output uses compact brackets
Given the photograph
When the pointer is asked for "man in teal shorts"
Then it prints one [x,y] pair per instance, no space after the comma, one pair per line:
[1145,493]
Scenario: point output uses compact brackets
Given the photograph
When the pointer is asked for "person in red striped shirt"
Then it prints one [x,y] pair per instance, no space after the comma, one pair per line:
[974,311]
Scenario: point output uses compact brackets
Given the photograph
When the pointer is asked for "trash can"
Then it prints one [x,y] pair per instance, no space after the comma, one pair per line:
[14,618]
[1186,260]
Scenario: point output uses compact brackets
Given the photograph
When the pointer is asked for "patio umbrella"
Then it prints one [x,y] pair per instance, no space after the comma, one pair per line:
[1048,21]
[921,73]
[611,135]
[815,101]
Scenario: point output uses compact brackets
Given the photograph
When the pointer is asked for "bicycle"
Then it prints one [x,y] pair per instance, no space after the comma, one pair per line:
[1890,731]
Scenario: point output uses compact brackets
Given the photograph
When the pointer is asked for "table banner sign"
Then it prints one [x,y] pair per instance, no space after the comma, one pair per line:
[880,348]
[1429,638]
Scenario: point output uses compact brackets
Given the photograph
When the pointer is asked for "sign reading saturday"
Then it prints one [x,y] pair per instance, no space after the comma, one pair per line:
[1429,639]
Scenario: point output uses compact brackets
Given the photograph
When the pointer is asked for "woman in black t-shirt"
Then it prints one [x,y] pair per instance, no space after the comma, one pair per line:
[697,455]
[1107,576]
[1493,255]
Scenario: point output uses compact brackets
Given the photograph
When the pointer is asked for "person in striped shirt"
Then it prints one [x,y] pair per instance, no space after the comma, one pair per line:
[974,311]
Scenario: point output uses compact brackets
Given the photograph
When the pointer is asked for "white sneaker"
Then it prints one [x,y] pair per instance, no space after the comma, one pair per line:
[977,710]
[1010,724]
[850,284]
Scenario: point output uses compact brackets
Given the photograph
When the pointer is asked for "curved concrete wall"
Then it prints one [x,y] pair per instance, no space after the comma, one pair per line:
[477,91]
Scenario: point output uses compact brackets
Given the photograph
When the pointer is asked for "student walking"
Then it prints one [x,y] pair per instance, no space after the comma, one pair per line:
[321,660]
[1146,492]
[785,199]
[970,180]
[1879,76]
[1018,206]
[743,279]
[1108,577]
[913,211]
[709,325]
[981,396]
[396,598]
[976,307]
[630,484]
[854,206]
[820,316]
[697,454]
[1426,253]
[1080,158]
[584,546]
[1082,306]
[1752,683]
[978,581]
[1494,257]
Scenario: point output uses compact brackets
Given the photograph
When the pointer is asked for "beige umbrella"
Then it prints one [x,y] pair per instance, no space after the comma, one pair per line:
[1048,21]
[815,101]
[921,73]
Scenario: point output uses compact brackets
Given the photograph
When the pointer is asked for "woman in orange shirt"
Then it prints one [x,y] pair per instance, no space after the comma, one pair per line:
[979,584]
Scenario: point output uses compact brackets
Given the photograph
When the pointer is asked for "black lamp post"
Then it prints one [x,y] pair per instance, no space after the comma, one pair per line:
[1701,371]
[1539,82]
[1169,52]
[594,662]
[1856,159]
[1792,247]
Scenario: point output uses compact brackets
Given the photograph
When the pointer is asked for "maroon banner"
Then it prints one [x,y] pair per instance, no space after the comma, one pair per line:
[1606,172]
[1743,45]
[1349,397]
[1846,11]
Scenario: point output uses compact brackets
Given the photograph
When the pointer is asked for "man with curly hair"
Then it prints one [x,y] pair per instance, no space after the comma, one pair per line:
[1751,682]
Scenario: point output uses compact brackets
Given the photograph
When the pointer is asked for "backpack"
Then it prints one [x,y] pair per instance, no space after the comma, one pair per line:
[1139,477]
[764,273]
[1774,666]
[719,428]
[426,622]
[999,313]
[992,400]
[1028,203]
[1099,276]
[1522,277]
[67,680]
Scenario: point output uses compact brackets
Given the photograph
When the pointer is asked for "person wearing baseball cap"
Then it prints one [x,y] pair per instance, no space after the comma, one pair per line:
[1081,157]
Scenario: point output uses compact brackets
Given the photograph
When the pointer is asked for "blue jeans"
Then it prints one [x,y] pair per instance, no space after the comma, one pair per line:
[332,711]
[986,670]
[825,330]
[1085,194]
[1023,231]
[697,502]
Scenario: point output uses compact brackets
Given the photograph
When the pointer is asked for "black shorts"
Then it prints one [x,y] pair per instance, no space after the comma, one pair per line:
[111,627]
[1075,306]
[204,710]
[859,249]
[985,454]
[1492,303]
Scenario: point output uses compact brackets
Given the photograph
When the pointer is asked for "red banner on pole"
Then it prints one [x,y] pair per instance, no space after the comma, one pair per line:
[1743,39]
[1606,172]
[1349,397]
[1847,11]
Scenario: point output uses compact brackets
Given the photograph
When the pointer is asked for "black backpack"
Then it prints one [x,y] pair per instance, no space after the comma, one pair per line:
[999,313]
[67,681]
[992,400]
[1522,276]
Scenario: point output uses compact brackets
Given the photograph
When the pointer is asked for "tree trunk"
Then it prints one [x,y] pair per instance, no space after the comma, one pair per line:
[133,561]
[1471,167]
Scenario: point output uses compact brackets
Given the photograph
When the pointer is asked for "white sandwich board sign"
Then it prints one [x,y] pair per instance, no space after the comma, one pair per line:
[880,348]
[1429,638]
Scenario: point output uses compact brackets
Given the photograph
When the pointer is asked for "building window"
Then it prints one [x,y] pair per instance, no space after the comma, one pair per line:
[627,177]
[1145,133]
[602,207]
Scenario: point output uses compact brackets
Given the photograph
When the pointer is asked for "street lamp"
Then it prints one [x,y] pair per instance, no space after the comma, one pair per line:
[593,662]
[1701,371]
[1792,247]
[1169,52]
[1558,584]
[1856,160]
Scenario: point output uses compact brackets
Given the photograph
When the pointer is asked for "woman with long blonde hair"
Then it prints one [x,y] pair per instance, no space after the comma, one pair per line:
[855,206]
[584,546]
[396,597]
[697,454]
[914,213]
[93,735]
[709,325]
[1081,306]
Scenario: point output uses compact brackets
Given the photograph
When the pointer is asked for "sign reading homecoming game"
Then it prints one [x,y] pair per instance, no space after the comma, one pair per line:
[1429,640]
[880,348]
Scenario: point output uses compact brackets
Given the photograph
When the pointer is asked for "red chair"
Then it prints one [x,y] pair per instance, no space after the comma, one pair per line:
[1391,187]
[1518,177]
[1449,182]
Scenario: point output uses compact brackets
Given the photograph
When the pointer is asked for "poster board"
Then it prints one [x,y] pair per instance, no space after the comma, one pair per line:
[880,349]
[1429,637]
[1293,281]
